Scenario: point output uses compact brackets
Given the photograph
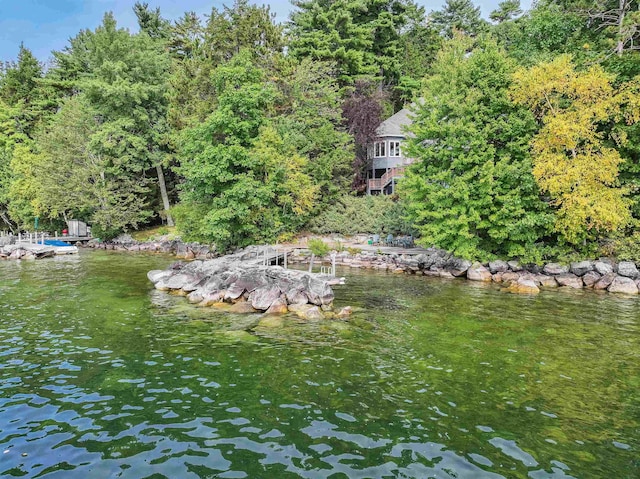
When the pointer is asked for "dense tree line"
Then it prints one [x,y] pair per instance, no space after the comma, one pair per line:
[240,130]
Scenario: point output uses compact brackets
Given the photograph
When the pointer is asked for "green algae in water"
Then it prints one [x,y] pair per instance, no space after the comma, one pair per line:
[102,376]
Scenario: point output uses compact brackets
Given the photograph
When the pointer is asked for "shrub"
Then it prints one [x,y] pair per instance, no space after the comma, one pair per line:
[362,214]
[626,248]
[318,247]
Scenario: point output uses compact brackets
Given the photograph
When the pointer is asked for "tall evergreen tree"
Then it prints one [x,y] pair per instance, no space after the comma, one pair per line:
[471,190]
[458,16]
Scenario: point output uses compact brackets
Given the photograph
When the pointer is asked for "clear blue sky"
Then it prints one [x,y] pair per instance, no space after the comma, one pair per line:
[45,25]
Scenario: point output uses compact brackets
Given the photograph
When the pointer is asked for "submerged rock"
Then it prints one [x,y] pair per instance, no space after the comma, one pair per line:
[523,286]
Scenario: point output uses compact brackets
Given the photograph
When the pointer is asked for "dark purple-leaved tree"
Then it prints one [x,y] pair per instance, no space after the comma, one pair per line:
[362,111]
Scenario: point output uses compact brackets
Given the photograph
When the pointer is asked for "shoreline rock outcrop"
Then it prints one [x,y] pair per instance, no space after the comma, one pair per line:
[242,280]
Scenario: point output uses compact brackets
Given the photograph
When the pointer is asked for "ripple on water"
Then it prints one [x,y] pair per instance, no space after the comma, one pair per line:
[102,376]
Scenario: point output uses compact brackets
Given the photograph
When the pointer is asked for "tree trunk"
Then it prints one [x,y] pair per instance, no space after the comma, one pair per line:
[163,193]
[620,45]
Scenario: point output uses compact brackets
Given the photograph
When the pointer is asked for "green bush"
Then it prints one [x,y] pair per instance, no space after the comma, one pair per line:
[362,214]
[318,247]
[624,249]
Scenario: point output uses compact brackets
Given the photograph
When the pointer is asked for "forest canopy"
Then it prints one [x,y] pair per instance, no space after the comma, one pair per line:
[239,129]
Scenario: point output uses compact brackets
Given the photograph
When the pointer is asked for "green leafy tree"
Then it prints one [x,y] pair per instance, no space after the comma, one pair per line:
[544,32]
[573,162]
[310,120]
[75,181]
[242,182]
[471,190]
[198,47]
[124,78]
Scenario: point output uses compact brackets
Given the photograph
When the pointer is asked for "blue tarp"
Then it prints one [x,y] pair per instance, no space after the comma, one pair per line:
[56,243]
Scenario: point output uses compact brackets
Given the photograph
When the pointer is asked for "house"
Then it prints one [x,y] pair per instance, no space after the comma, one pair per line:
[386,158]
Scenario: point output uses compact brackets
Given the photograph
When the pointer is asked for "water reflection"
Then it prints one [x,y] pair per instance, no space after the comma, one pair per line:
[104,377]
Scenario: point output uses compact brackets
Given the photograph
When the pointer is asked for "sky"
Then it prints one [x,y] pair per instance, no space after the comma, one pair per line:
[46,25]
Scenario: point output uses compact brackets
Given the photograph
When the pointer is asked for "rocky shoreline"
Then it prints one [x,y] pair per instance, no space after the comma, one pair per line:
[177,248]
[603,274]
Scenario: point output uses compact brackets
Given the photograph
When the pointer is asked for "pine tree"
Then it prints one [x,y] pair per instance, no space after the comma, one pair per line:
[458,16]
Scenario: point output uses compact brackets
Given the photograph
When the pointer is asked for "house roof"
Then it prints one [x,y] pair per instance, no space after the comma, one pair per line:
[394,125]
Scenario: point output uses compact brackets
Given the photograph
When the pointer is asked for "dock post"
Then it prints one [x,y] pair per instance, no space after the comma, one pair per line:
[333,264]
[285,259]
[19,237]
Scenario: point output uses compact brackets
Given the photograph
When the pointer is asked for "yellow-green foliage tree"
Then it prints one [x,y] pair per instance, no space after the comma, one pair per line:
[575,160]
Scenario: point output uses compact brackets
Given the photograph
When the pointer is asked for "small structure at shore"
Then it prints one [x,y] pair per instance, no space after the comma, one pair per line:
[244,280]
[17,247]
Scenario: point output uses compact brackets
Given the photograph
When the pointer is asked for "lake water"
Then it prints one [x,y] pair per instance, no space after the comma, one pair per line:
[102,376]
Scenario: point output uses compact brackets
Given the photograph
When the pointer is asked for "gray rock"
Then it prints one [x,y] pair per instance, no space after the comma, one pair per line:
[555,268]
[628,269]
[546,281]
[581,267]
[605,281]
[477,272]
[603,268]
[570,280]
[458,267]
[514,266]
[263,298]
[623,285]
[498,266]
[590,278]
[296,296]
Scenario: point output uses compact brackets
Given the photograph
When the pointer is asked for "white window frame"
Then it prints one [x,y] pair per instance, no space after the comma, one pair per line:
[380,149]
[395,152]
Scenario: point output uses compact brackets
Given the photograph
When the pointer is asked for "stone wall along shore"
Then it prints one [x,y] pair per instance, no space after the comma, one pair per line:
[603,274]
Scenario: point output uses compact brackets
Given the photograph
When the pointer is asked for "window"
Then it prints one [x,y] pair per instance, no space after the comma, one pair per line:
[379,149]
[394,148]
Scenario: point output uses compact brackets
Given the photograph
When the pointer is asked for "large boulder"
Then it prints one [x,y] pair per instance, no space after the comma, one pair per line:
[628,269]
[514,266]
[570,280]
[605,281]
[477,272]
[458,267]
[590,278]
[555,268]
[263,298]
[546,281]
[498,266]
[603,267]
[523,286]
[623,285]
[581,267]
[279,306]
